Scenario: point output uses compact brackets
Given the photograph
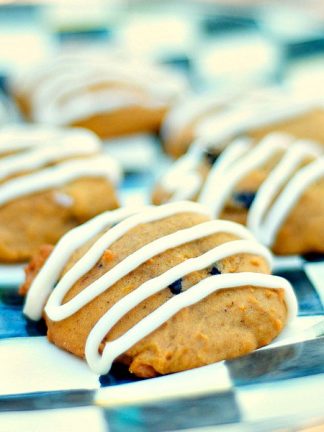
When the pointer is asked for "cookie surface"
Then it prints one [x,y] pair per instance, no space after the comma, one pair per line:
[229,322]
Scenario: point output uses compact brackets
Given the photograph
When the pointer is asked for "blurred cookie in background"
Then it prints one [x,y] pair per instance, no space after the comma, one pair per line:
[101,92]
[218,116]
[273,185]
[51,180]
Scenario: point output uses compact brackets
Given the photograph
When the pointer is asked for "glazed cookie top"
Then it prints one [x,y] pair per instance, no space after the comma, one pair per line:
[252,114]
[49,287]
[217,118]
[203,109]
[300,164]
[74,86]
[33,159]
[15,137]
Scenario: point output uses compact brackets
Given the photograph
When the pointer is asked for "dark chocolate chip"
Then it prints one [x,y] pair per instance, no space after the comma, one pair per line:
[244,199]
[211,157]
[176,287]
[214,271]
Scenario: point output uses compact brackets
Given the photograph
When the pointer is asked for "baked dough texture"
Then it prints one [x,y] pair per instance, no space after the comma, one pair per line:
[224,325]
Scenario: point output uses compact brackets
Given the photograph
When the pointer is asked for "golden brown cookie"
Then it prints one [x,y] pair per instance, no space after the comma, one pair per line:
[50,181]
[108,95]
[169,288]
[275,186]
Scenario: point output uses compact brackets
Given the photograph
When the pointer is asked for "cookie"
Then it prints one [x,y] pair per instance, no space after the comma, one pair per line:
[50,181]
[161,289]
[275,186]
[105,94]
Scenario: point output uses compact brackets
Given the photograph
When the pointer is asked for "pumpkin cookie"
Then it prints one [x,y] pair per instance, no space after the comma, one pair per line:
[50,181]
[275,186]
[162,290]
[105,94]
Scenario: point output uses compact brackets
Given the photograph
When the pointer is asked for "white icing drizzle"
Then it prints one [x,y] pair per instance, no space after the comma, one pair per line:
[256,157]
[28,150]
[224,161]
[92,103]
[183,181]
[44,283]
[70,145]
[212,284]
[58,175]
[288,198]
[19,137]
[69,243]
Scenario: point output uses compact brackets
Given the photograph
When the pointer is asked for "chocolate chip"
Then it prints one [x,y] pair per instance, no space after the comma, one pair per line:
[176,287]
[244,199]
[211,157]
[214,271]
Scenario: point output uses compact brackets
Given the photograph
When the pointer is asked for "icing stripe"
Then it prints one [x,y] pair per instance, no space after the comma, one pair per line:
[58,175]
[258,156]
[49,274]
[288,198]
[15,137]
[246,116]
[92,103]
[267,205]
[228,157]
[41,156]
[183,180]
[276,180]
